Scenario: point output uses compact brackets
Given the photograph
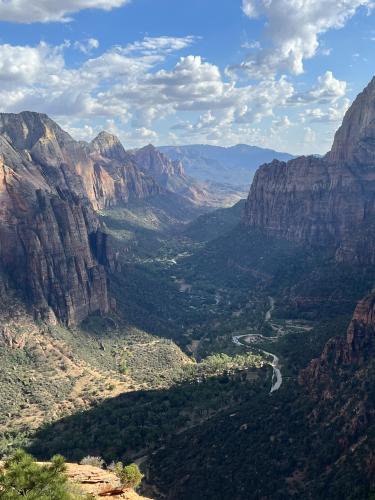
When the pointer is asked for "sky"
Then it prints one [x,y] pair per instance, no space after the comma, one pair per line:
[272,73]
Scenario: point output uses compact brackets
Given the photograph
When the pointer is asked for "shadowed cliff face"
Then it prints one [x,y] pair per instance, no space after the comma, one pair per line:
[354,351]
[47,241]
[324,202]
[51,244]
[329,203]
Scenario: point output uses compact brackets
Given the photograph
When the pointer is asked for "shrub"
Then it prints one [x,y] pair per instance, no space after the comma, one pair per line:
[94,461]
[22,477]
[129,475]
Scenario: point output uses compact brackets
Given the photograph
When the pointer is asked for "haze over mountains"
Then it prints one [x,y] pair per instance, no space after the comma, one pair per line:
[234,165]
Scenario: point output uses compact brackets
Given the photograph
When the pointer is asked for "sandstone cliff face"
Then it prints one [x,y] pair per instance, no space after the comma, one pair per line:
[315,202]
[355,140]
[51,245]
[168,173]
[101,171]
[355,350]
[325,202]
[171,176]
[117,177]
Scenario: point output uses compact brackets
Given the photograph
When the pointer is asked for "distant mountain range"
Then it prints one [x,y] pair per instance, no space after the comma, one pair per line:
[234,165]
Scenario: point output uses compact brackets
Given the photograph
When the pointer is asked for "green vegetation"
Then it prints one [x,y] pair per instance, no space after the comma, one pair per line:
[22,477]
[122,428]
[161,378]
[130,476]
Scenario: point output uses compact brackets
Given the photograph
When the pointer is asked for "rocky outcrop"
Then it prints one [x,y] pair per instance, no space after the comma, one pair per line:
[169,174]
[49,240]
[354,351]
[324,202]
[100,483]
[101,171]
[96,482]
[117,177]
[355,140]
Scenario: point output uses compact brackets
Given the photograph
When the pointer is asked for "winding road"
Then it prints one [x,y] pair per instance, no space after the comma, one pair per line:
[277,378]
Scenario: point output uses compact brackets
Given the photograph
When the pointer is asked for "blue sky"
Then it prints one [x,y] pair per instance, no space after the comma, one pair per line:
[274,73]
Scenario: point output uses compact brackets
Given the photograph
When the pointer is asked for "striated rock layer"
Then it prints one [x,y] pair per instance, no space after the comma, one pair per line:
[51,245]
[102,170]
[324,202]
[49,242]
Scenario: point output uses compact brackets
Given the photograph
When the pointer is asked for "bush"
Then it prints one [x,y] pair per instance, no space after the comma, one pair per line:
[21,477]
[94,461]
[129,475]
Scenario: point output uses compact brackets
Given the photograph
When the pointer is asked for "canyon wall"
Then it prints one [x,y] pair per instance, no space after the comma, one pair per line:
[324,202]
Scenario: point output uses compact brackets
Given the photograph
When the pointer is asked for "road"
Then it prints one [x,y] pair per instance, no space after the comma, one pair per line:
[277,378]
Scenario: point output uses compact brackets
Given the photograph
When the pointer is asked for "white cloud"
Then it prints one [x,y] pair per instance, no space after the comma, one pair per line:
[334,113]
[293,28]
[146,134]
[87,46]
[167,44]
[327,90]
[125,89]
[26,65]
[282,122]
[24,11]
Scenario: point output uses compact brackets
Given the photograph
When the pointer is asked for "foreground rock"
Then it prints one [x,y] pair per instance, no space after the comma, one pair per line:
[100,483]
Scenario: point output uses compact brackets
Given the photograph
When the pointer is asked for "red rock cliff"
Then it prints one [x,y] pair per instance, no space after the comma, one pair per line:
[326,202]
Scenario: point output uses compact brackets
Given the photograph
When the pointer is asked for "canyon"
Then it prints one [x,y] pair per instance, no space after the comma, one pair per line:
[95,242]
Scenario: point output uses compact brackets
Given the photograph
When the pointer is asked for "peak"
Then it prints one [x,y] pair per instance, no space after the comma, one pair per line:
[29,118]
[109,145]
[105,140]
[25,129]
[106,136]
[354,140]
[149,147]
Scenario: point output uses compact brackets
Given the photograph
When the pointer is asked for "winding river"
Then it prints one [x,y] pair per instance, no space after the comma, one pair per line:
[277,378]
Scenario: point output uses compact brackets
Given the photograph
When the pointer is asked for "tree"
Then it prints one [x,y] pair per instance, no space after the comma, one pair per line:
[22,477]
[129,475]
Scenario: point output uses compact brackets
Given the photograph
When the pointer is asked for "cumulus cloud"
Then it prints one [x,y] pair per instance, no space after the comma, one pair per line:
[26,65]
[125,88]
[327,90]
[333,113]
[24,11]
[292,31]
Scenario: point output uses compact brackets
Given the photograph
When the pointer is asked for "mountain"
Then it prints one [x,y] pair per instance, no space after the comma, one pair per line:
[51,243]
[118,180]
[325,202]
[234,165]
[170,174]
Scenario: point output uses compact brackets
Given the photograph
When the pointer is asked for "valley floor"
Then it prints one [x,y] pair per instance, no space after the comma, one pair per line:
[210,320]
